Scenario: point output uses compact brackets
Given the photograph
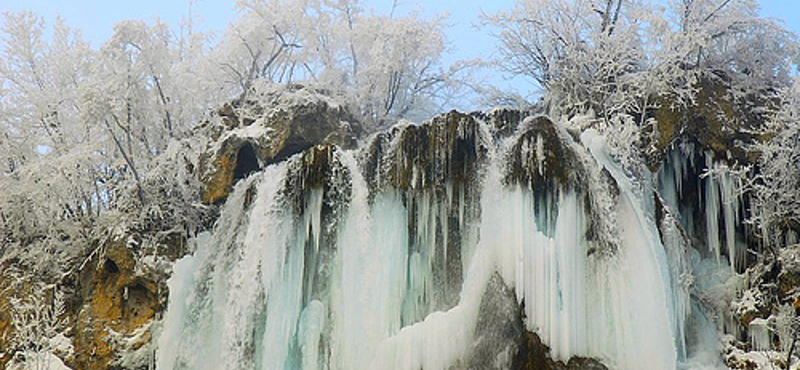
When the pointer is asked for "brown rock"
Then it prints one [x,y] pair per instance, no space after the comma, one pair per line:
[288,126]
[117,302]
[5,333]
[534,355]
[717,120]
[446,149]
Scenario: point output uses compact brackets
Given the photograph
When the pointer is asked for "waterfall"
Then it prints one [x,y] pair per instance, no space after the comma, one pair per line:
[378,258]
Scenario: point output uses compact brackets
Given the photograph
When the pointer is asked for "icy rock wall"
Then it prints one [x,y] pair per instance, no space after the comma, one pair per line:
[381,257]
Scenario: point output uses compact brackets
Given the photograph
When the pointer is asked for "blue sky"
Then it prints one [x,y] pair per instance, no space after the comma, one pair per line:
[97,17]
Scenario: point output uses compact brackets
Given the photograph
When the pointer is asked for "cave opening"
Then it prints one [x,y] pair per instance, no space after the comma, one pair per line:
[110,266]
[246,162]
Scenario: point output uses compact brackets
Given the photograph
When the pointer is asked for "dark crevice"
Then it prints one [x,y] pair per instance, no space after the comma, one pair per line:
[110,266]
[290,148]
[246,162]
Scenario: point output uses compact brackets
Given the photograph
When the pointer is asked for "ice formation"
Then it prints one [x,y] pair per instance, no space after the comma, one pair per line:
[366,273]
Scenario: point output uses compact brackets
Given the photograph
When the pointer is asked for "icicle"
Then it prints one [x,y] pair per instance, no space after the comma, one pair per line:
[216,293]
[730,207]
[705,349]
[676,246]
[370,280]
[759,333]
[310,329]
[539,155]
[712,199]
[645,337]
[722,202]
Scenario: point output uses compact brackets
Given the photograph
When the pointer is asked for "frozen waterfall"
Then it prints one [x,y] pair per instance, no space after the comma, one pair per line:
[379,258]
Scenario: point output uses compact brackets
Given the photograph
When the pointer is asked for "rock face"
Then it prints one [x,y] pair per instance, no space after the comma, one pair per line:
[545,158]
[499,331]
[319,170]
[5,330]
[248,136]
[533,355]
[717,119]
[504,121]
[501,341]
[120,303]
[120,298]
[435,169]
[542,159]
[445,150]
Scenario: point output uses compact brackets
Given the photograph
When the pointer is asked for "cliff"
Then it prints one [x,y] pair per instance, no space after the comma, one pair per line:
[284,181]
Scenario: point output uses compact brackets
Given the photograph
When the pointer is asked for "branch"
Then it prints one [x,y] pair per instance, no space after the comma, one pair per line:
[164,102]
[128,160]
[237,73]
[539,24]
[615,18]
[719,8]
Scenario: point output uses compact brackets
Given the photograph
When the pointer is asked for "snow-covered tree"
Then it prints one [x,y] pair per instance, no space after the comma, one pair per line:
[49,171]
[386,67]
[776,188]
[81,127]
[730,36]
[581,52]
[38,323]
[599,51]
[394,65]
[620,59]
[133,98]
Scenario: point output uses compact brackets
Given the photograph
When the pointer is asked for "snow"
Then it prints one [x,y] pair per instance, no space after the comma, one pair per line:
[760,359]
[38,361]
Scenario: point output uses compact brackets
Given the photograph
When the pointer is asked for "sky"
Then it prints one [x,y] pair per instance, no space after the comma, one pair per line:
[96,19]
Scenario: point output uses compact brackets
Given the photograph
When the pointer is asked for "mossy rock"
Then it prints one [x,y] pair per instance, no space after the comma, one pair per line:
[720,120]
[318,171]
[503,121]
[542,158]
[439,163]
[318,168]
[447,149]
[287,126]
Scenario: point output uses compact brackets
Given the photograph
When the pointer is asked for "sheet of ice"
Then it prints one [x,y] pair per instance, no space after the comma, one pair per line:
[370,281]
[642,300]
[705,347]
